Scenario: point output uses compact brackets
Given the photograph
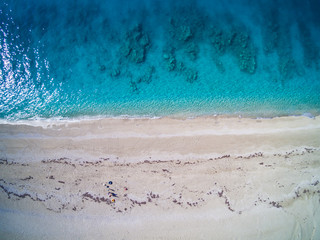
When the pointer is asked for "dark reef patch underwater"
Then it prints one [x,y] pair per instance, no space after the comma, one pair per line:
[155,58]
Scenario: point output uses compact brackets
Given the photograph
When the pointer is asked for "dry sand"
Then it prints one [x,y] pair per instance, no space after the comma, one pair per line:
[203,178]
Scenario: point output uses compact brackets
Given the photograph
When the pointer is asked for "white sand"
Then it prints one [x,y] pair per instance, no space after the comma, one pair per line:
[203,178]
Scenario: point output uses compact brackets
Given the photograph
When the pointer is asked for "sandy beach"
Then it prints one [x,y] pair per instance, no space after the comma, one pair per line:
[202,178]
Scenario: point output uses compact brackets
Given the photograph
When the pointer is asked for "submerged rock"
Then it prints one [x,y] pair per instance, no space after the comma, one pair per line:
[219,41]
[271,37]
[238,44]
[134,86]
[185,29]
[184,33]
[242,48]
[170,61]
[115,72]
[135,45]
[147,76]
[191,75]
[311,52]
[271,32]
[102,68]
[171,64]
[287,66]
[192,50]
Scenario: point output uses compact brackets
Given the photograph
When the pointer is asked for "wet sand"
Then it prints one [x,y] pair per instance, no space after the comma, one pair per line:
[218,177]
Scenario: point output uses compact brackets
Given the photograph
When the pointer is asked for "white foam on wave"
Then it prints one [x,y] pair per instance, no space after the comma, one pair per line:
[56,121]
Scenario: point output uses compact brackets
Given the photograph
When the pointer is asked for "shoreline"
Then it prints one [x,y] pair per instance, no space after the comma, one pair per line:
[62,120]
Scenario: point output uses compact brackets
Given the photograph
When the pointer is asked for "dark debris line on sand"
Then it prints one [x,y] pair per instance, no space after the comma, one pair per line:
[127,200]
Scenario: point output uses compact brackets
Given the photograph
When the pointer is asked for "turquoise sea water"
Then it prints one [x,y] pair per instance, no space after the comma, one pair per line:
[68,58]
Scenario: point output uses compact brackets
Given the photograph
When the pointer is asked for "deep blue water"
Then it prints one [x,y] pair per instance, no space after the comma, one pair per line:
[75,58]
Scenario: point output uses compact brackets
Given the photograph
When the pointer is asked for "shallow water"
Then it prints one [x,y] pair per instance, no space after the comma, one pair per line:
[156,58]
